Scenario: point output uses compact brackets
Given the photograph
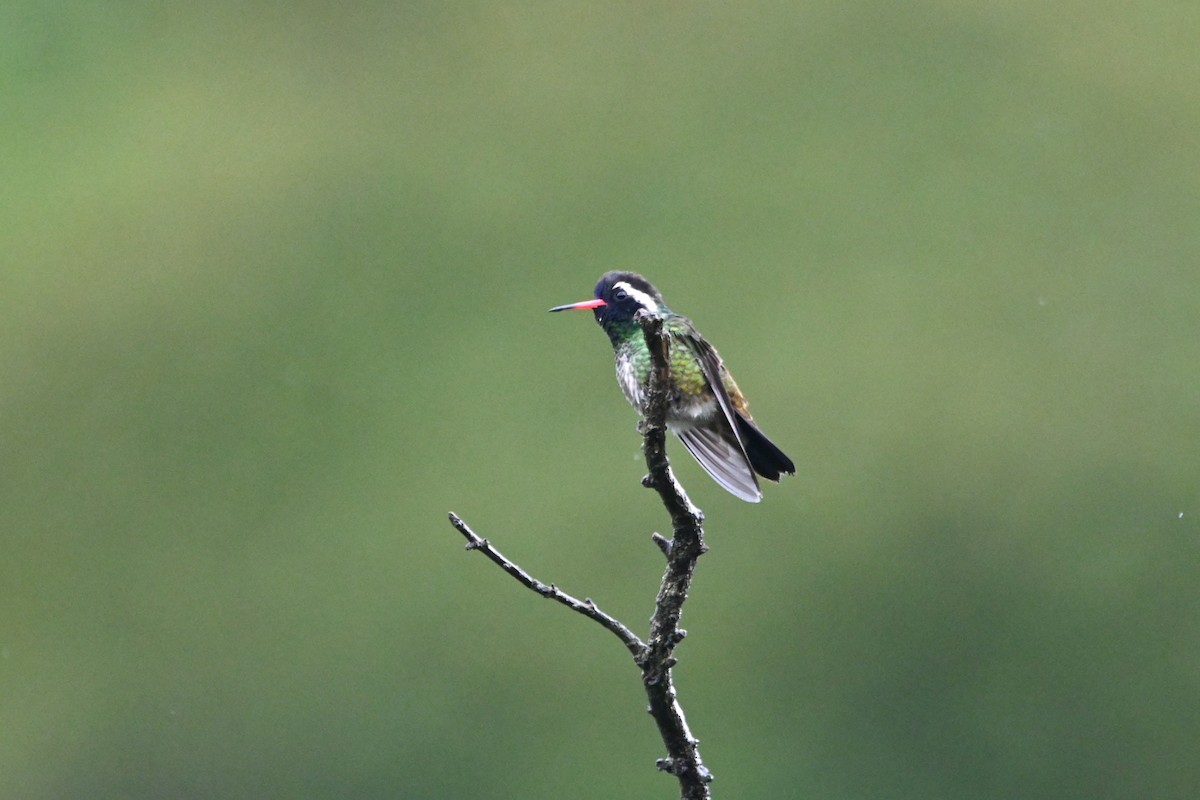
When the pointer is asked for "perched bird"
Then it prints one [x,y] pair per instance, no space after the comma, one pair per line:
[705,408]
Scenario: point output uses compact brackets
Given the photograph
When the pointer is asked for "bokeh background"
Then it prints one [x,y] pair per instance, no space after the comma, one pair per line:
[274,301]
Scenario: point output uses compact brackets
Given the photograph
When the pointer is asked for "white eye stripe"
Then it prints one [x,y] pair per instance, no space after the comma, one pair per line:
[643,299]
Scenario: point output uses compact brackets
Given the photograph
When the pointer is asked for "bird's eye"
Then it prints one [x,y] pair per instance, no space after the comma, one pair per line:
[620,294]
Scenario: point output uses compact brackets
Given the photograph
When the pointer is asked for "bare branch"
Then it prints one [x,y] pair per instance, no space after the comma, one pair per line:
[684,515]
[656,656]
[683,753]
[586,606]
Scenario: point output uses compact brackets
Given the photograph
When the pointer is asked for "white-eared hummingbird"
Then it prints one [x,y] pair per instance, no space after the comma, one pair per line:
[705,408]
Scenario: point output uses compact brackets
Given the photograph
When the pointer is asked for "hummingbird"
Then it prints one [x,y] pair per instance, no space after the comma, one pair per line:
[705,408]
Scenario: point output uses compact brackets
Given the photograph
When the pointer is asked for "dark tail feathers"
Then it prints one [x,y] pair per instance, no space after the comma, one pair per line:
[767,459]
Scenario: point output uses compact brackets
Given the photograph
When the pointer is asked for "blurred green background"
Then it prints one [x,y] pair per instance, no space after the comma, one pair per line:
[274,301]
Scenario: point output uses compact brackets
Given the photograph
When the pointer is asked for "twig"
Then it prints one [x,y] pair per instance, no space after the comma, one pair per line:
[586,606]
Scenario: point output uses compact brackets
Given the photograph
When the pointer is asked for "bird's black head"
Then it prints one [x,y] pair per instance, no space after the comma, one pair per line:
[624,294]
[618,296]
